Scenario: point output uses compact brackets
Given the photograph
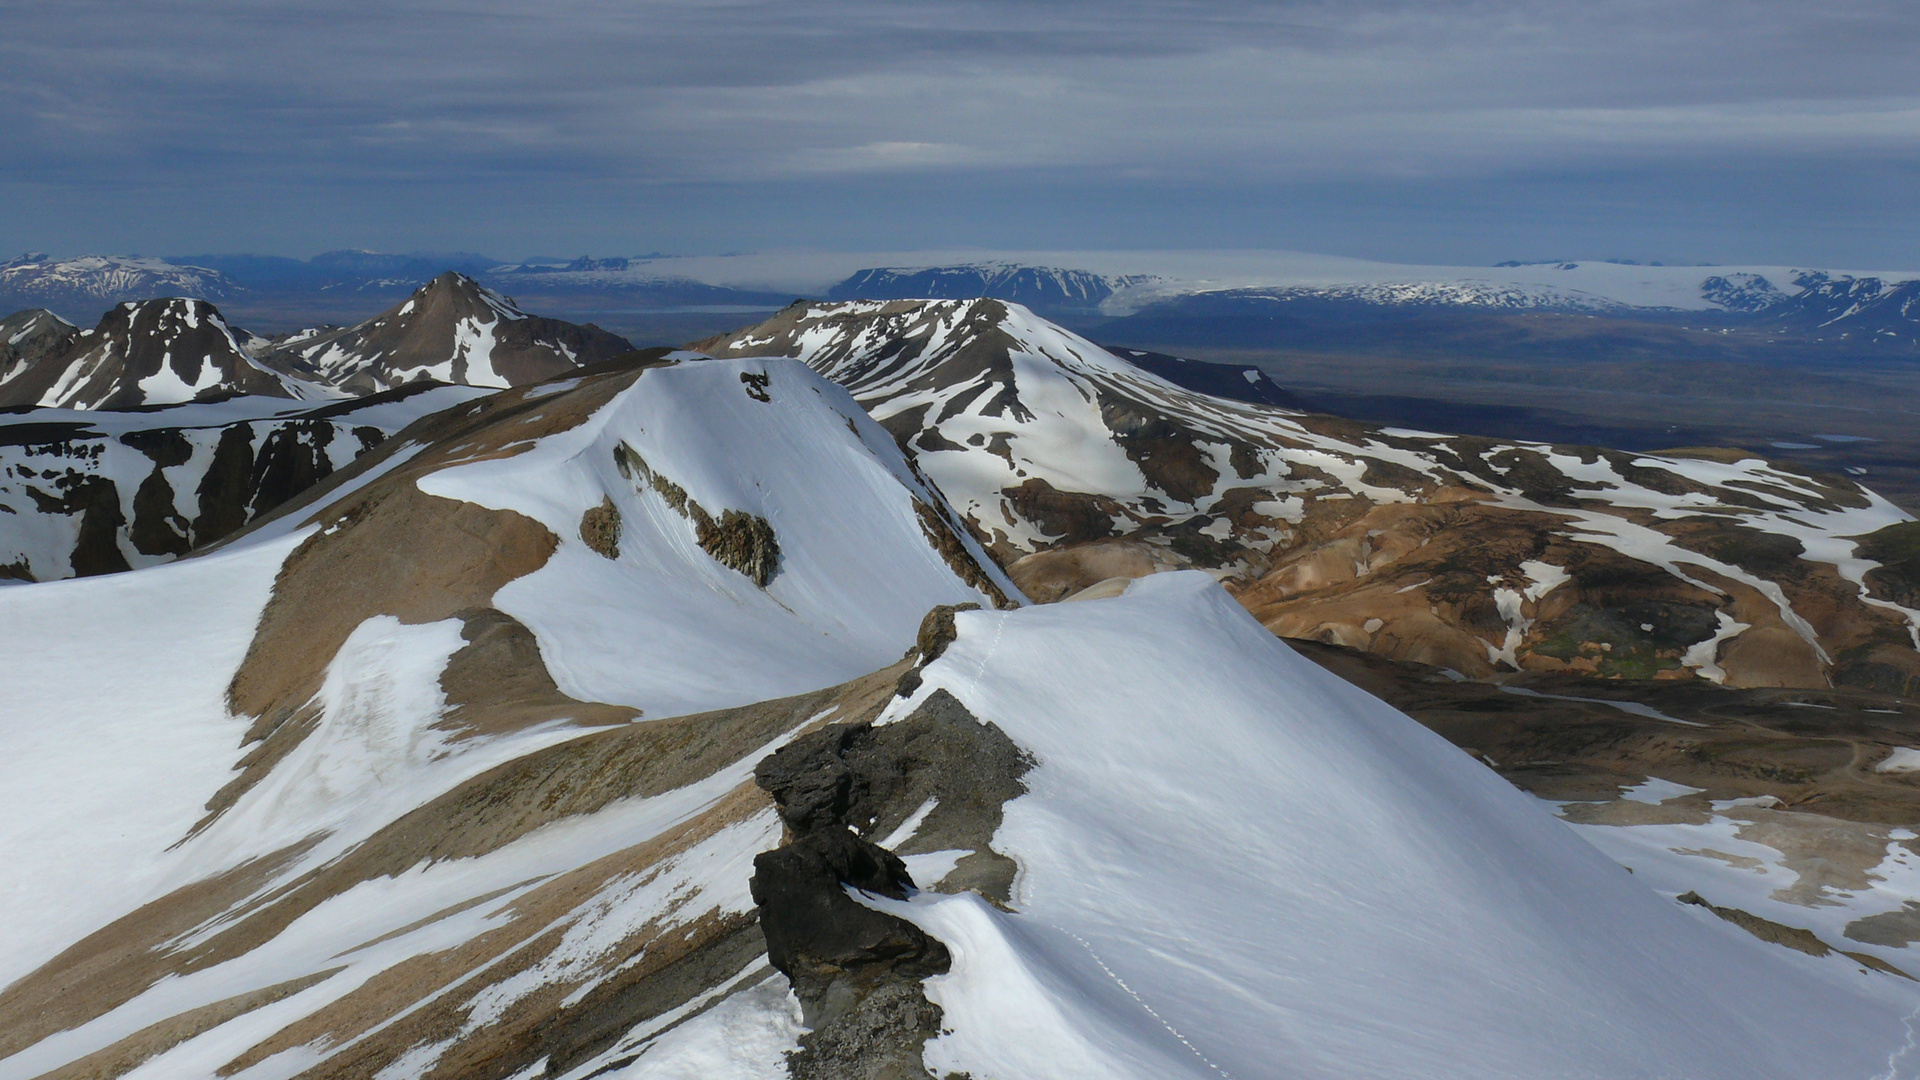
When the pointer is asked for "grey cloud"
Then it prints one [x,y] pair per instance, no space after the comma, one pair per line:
[241,96]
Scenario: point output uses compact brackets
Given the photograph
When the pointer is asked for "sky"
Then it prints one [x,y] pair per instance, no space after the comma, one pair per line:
[1446,131]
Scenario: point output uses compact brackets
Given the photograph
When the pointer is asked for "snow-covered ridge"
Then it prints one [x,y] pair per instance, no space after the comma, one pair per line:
[1231,859]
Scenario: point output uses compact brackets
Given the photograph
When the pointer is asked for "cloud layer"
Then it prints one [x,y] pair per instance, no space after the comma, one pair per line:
[609,107]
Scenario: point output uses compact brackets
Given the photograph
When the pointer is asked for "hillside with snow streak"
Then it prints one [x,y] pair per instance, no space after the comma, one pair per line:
[488,700]
[1462,552]
[100,491]
[1258,872]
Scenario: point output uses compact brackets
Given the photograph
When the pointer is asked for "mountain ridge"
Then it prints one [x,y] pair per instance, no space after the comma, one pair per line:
[1075,466]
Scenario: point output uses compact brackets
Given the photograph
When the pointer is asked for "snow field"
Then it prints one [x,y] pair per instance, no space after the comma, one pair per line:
[686,634]
[114,733]
[1235,864]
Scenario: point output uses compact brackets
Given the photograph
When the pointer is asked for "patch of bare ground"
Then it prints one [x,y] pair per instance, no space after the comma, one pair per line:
[116,963]
[1417,582]
[1057,573]
[129,1053]
[388,548]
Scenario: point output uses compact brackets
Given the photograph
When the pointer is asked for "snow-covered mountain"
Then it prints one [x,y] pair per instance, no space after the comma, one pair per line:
[568,734]
[451,330]
[1467,553]
[88,282]
[149,352]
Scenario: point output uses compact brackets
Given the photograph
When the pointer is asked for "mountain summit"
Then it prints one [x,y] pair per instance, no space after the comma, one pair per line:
[453,330]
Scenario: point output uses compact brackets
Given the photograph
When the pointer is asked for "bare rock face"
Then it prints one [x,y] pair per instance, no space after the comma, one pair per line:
[857,971]
[741,541]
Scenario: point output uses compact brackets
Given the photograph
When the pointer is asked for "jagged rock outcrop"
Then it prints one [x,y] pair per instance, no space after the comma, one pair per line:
[857,971]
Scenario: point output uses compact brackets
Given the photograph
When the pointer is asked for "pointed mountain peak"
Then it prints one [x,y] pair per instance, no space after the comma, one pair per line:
[461,291]
[452,329]
[877,346]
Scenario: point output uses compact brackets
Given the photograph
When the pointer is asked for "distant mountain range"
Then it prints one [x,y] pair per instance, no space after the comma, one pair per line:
[1262,293]
[1043,287]
[80,286]
[168,351]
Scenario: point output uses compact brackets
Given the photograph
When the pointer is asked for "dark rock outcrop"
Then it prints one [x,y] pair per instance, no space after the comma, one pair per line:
[857,970]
